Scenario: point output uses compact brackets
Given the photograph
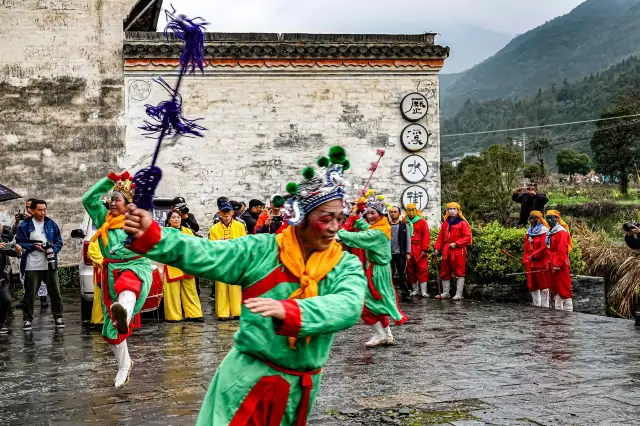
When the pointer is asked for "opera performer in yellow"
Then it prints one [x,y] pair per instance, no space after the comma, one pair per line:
[180,292]
[228,297]
[94,253]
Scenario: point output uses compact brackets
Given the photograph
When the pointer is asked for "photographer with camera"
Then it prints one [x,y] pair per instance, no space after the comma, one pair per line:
[530,200]
[7,249]
[271,221]
[188,219]
[41,242]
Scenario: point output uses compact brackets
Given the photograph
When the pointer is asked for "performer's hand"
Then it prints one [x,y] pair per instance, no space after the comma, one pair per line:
[137,221]
[556,268]
[425,253]
[353,211]
[453,245]
[408,256]
[266,307]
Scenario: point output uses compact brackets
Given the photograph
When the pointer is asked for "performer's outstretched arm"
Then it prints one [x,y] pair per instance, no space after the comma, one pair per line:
[364,240]
[331,313]
[91,200]
[230,261]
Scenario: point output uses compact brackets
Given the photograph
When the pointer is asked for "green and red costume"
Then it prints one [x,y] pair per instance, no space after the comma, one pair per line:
[262,380]
[122,269]
[381,299]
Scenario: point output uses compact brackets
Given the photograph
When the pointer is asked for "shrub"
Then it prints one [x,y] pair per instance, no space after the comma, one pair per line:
[487,264]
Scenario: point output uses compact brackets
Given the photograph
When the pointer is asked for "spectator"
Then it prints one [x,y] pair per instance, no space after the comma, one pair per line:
[251,215]
[529,200]
[271,220]
[220,201]
[179,288]
[237,213]
[243,207]
[400,250]
[40,261]
[228,297]
[5,277]
[188,219]
[42,290]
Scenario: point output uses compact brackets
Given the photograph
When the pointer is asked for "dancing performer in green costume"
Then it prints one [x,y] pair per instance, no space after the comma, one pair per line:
[126,277]
[381,299]
[298,290]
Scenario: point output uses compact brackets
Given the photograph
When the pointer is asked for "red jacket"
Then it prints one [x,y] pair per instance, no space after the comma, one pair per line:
[460,233]
[421,240]
[559,250]
[537,249]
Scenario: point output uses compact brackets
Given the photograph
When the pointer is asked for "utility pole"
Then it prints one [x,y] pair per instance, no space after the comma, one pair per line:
[524,158]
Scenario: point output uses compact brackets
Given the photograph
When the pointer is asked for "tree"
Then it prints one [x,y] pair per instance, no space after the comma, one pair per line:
[540,144]
[533,172]
[571,162]
[486,184]
[616,143]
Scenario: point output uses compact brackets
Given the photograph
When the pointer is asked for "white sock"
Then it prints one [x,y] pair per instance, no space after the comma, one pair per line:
[128,300]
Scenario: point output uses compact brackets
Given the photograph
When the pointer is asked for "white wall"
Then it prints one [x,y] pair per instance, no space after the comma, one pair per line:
[264,126]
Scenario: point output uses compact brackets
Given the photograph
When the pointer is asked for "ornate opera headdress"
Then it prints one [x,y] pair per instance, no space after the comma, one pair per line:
[124,185]
[317,189]
[376,201]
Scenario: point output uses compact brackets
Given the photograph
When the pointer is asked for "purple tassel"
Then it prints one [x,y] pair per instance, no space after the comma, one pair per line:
[168,117]
[191,31]
[146,181]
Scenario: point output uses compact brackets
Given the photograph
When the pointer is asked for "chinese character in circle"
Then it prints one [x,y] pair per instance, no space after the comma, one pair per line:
[415,167]
[417,104]
[415,197]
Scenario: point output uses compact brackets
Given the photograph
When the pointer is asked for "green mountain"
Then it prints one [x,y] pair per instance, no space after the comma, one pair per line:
[561,103]
[592,37]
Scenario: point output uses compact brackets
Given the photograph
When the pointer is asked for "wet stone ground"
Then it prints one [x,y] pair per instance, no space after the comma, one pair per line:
[460,364]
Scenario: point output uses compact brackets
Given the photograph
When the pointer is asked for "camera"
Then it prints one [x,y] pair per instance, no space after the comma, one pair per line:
[22,216]
[50,255]
[180,204]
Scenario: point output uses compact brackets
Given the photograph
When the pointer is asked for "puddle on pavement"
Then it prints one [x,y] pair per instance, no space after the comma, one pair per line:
[401,416]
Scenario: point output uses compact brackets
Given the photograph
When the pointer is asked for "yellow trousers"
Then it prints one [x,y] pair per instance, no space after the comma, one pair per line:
[96,308]
[228,300]
[180,295]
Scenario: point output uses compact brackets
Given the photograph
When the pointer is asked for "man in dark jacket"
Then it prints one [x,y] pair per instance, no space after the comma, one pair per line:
[39,260]
[400,250]
[6,250]
[529,200]
[251,215]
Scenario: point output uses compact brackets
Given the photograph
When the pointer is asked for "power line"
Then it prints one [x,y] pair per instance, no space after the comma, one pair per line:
[540,127]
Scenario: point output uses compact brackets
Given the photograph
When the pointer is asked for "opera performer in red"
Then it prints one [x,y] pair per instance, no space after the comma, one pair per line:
[418,266]
[559,246]
[536,259]
[453,239]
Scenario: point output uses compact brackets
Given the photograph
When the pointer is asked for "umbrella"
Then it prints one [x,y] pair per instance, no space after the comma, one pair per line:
[6,194]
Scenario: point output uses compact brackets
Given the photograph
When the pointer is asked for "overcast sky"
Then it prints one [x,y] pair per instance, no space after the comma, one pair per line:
[372,16]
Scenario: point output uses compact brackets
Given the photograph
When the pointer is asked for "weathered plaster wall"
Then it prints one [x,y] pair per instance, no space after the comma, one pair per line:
[265,125]
[61,101]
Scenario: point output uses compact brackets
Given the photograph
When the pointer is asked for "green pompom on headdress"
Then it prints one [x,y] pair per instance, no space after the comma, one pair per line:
[308,173]
[323,161]
[292,188]
[337,155]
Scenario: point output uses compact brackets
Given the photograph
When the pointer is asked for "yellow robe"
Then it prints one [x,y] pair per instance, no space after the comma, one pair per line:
[228,297]
[94,253]
[180,293]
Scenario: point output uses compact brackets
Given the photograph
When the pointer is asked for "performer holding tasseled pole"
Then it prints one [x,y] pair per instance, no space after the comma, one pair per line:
[126,277]
[559,246]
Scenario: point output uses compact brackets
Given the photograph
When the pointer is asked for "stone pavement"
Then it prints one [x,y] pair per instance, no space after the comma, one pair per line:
[462,364]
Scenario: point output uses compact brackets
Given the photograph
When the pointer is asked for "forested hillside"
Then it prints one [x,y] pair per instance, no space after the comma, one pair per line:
[594,36]
[557,103]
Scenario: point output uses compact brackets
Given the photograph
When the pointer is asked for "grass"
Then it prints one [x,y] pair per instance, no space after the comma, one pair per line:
[619,264]
[421,418]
